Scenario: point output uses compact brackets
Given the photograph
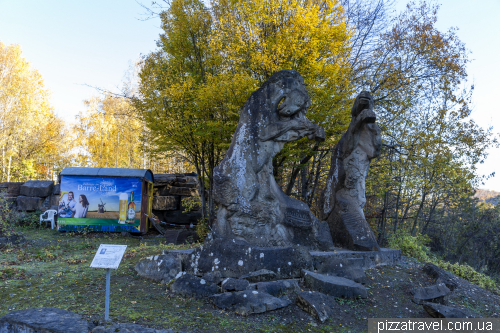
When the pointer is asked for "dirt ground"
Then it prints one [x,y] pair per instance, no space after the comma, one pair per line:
[52,270]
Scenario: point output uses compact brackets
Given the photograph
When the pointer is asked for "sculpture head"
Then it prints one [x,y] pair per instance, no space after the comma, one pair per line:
[295,101]
[363,101]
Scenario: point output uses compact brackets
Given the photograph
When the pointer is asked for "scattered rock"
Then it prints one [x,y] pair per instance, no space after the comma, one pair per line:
[443,311]
[262,275]
[161,268]
[43,320]
[183,255]
[234,258]
[248,302]
[347,268]
[37,188]
[230,284]
[165,202]
[317,304]
[28,204]
[433,294]
[193,286]
[441,276]
[127,328]
[334,285]
[277,288]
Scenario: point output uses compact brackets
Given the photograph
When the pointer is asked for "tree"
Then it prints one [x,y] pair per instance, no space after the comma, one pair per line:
[191,90]
[30,132]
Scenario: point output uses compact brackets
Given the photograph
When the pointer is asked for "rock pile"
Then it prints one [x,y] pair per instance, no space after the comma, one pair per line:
[32,195]
[173,194]
[435,297]
[236,276]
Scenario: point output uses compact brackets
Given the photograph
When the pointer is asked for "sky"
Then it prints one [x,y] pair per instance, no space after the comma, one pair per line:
[77,44]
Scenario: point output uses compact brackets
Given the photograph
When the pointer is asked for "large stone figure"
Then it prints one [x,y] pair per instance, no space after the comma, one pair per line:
[343,199]
[251,206]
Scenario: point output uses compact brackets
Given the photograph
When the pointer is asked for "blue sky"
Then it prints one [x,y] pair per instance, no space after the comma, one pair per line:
[78,43]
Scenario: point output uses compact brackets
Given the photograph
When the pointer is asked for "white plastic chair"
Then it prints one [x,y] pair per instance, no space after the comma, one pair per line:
[49,217]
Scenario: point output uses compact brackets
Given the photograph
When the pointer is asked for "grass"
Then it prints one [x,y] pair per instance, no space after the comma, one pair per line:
[52,270]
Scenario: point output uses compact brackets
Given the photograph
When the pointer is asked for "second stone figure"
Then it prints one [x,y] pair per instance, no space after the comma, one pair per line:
[343,199]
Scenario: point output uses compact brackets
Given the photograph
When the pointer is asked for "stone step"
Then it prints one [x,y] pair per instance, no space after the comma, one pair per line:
[370,258]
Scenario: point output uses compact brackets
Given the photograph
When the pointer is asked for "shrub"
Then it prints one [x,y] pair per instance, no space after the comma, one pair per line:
[7,216]
[415,247]
[412,246]
[202,229]
[29,220]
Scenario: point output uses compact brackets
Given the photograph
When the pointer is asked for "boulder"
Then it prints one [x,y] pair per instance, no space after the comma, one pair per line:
[319,305]
[177,216]
[248,302]
[186,184]
[443,311]
[13,189]
[433,294]
[262,275]
[162,268]
[193,286]
[347,268]
[43,320]
[230,284]
[127,328]
[28,204]
[164,179]
[234,258]
[161,191]
[184,191]
[56,190]
[441,276]
[277,288]
[165,203]
[334,285]
[37,188]
[212,277]
[183,255]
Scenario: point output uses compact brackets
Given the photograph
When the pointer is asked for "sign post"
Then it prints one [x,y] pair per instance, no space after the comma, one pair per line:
[108,256]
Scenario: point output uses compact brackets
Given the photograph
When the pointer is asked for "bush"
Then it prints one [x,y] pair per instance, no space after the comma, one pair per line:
[412,246]
[7,216]
[468,273]
[29,220]
[415,247]
[202,229]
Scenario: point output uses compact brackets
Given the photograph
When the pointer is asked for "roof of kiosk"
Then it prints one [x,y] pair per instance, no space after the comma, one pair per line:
[108,172]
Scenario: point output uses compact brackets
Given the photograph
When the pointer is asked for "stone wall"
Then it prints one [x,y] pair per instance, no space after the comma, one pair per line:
[172,194]
[175,193]
[32,195]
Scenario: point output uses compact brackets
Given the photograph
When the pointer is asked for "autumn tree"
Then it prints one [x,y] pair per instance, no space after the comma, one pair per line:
[31,135]
[418,79]
[210,61]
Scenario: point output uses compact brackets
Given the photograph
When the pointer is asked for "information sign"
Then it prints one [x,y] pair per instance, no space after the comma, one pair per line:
[108,256]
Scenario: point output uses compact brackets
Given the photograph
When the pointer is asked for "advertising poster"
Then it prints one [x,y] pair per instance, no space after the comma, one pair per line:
[99,204]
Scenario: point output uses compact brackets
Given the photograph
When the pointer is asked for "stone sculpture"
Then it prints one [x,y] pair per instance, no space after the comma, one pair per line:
[343,199]
[251,205]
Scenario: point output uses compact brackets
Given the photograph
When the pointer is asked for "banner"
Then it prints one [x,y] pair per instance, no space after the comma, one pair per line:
[99,204]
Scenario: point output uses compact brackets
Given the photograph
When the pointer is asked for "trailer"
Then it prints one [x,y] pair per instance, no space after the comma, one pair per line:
[105,199]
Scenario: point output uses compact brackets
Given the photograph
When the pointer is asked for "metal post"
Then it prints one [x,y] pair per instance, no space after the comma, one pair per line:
[106,311]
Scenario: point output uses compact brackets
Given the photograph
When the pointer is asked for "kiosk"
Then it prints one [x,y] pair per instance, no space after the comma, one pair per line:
[105,199]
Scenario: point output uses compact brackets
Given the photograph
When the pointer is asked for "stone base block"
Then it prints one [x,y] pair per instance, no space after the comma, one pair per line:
[370,258]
